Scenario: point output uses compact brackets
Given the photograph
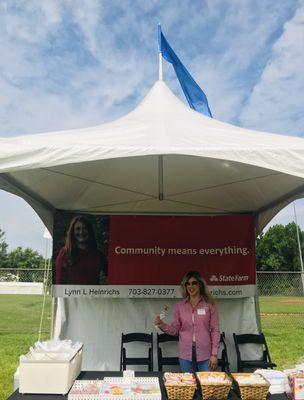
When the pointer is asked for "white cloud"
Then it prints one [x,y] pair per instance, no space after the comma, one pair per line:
[46,88]
[240,44]
[86,16]
[29,21]
[276,101]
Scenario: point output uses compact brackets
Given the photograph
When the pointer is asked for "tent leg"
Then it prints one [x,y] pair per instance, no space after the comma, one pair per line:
[53,316]
[257,312]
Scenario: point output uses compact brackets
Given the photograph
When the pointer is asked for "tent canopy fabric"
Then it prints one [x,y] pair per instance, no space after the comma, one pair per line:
[162,158]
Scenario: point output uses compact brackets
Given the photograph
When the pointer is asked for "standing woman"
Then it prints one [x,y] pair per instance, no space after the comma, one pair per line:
[196,323]
[79,262]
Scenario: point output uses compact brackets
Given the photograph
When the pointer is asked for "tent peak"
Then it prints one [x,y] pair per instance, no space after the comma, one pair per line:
[161,99]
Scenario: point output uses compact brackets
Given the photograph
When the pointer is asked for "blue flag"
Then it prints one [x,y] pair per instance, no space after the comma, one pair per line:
[194,94]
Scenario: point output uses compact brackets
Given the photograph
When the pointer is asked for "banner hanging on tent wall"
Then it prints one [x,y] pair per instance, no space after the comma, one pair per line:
[147,256]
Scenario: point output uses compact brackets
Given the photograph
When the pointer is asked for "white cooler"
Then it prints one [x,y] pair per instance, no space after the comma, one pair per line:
[49,372]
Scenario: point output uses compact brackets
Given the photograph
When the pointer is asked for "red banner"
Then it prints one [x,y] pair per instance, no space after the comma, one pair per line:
[146,250]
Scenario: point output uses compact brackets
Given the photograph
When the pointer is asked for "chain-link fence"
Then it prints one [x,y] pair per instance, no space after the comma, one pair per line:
[281,298]
[269,283]
[281,294]
[25,275]
[280,283]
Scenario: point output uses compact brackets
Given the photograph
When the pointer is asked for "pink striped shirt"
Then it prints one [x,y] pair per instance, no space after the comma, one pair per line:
[201,322]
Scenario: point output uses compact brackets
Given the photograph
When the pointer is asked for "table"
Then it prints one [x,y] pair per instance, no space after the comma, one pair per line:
[101,374]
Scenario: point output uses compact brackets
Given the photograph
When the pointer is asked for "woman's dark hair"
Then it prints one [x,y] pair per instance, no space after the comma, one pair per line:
[204,291]
[70,242]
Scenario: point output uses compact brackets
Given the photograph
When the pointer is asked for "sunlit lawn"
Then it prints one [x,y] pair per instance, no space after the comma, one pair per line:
[19,325]
[282,322]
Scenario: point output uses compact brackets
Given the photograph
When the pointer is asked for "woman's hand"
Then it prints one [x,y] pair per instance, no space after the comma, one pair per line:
[158,321]
[212,363]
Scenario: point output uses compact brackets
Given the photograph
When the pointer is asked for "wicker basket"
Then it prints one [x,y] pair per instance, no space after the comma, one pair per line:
[251,391]
[214,390]
[180,391]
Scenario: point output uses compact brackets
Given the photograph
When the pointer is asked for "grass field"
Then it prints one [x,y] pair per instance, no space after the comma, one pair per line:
[282,322]
[19,325]
[282,313]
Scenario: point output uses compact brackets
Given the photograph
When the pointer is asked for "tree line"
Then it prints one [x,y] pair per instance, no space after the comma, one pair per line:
[19,258]
[276,250]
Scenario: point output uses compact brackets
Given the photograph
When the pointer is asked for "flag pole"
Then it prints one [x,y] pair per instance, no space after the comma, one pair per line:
[160,56]
[160,67]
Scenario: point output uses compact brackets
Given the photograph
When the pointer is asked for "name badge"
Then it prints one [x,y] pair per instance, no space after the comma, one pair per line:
[201,311]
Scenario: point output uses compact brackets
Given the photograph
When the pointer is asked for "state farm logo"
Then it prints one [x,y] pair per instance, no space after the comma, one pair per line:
[233,278]
[229,278]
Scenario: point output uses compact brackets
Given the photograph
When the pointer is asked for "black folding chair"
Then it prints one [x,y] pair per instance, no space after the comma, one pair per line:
[163,338]
[223,362]
[259,339]
[136,337]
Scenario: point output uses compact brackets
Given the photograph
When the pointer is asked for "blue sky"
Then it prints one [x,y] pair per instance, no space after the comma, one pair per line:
[74,63]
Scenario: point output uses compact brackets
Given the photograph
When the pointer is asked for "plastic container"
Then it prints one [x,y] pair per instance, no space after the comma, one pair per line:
[49,372]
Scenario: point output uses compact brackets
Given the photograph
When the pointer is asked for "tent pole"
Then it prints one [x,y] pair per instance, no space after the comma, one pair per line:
[54,311]
[257,312]
[160,178]
[45,279]
[299,245]
[256,296]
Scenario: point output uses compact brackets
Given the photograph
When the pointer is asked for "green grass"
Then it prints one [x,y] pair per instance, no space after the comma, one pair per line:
[279,313]
[282,305]
[285,346]
[21,313]
[19,325]
[11,347]
[282,322]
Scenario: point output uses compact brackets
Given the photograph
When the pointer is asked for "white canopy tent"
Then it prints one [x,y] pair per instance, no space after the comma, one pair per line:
[162,158]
